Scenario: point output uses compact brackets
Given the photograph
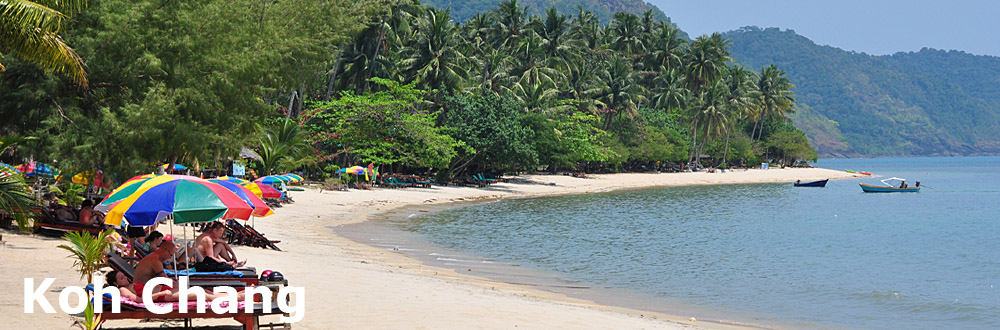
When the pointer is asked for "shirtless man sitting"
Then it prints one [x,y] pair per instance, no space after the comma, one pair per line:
[152,266]
[216,253]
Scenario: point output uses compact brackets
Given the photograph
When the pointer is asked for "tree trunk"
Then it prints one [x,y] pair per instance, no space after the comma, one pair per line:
[302,93]
[374,58]
[694,143]
[291,103]
[725,152]
[333,77]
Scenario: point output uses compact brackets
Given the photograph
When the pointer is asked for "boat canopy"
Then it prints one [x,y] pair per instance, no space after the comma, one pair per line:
[886,181]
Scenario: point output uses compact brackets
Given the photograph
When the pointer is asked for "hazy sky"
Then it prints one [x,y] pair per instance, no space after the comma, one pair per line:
[875,27]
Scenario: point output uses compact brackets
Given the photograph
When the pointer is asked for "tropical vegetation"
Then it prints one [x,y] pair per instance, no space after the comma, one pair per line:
[397,84]
[929,102]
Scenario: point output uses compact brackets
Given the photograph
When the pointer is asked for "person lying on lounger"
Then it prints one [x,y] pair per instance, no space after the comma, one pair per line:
[120,280]
[215,252]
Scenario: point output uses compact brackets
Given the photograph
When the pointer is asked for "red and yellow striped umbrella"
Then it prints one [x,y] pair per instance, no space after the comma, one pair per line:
[260,208]
[187,198]
[263,190]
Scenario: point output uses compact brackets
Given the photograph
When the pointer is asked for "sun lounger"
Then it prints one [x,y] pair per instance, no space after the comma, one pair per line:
[422,183]
[246,235]
[47,222]
[236,278]
[483,178]
[132,310]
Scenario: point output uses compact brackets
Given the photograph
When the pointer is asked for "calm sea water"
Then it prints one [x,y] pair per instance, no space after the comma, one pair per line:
[764,254]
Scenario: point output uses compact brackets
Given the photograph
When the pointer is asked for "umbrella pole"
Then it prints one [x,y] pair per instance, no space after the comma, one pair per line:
[187,253]
[175,250]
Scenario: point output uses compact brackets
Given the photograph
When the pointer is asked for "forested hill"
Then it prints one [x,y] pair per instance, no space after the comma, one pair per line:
[930,102]
[462,10]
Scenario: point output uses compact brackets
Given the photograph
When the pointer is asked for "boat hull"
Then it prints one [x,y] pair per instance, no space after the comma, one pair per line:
[871,188]
[820,183]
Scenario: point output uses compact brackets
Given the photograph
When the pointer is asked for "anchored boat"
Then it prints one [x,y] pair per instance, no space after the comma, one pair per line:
[890,187]
[820,183]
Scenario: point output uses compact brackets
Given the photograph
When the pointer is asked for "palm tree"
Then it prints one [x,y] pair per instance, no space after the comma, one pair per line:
[510,18]
[530,66]
[88,250]
[775,96]
[668,90]
[89,253]
[30,31]
[282,148]
[706,59]
[16,199]
[587,28]
[666,47]
[622,92]
[435,60]
[740,99]
[627,34]
[712,113]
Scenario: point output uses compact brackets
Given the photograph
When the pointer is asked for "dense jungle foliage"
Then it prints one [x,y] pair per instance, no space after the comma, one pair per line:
[930,102]
[320,85]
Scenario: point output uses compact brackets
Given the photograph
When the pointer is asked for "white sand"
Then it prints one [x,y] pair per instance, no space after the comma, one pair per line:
[355,286]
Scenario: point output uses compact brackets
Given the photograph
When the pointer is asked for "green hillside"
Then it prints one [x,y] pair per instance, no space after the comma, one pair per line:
[462,10]
[930,102]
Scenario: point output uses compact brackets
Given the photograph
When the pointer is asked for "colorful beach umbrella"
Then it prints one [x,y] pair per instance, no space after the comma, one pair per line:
[233,180]
[272,179]
[8,168]
[124,190]
[177,167]
[260,208]
[263,190]
[37,169]
[187,198]
[92,176]
[295,177]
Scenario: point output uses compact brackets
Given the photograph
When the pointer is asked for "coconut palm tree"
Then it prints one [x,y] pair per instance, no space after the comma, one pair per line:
[706,58]
[435,60]
[626,34]
[775,96]
[622,92]
[666,47]
[740,98]
[712,113]
[30,30]
[511,18]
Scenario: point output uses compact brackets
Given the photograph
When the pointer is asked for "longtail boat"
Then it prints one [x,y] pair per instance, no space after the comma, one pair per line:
[901,187]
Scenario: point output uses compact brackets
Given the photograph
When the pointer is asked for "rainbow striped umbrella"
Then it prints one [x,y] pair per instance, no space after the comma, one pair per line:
[177,167]
[8,168]
[295,177]
[123,191]
[272,179]
[233,180]
[187,198]
[263,190]
[37,169]
[260,208]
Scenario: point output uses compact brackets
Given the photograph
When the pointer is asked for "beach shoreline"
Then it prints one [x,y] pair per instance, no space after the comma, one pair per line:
[356,285]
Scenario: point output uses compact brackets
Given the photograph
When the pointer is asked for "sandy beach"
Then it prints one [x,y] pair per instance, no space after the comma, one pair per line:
[355,286]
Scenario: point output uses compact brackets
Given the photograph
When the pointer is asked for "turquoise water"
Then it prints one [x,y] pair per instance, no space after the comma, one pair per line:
[766,254]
